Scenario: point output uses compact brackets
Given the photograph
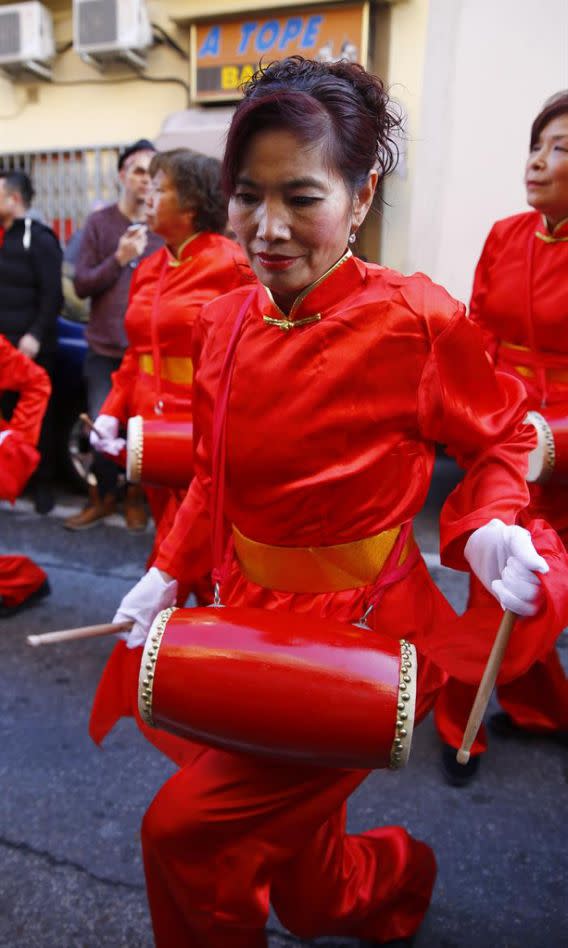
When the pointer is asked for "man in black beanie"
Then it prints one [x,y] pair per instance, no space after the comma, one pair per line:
[114,240]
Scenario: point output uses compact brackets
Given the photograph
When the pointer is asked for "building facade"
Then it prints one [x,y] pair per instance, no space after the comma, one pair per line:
[470,75]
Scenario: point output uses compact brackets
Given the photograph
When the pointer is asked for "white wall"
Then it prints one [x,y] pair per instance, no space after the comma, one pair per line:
[488,67]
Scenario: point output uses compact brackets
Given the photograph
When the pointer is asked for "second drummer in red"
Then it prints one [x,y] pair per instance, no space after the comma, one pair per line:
[186,206]
[520,302]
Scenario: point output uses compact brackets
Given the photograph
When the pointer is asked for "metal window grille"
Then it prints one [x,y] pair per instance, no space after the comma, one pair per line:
[69,183]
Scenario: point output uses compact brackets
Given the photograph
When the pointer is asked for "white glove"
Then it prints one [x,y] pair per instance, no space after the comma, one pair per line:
[105,438]
[4,434]
[145,600]
[504,559]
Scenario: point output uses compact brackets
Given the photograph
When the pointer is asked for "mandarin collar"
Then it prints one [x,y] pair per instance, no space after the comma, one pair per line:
[311,303]
[187,250]
[558,234]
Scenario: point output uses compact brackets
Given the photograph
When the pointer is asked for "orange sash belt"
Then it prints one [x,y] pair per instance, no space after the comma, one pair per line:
[524,361]
[317,569]
[177,369]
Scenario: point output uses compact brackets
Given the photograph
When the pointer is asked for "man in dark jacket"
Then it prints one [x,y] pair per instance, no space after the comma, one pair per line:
[30,301]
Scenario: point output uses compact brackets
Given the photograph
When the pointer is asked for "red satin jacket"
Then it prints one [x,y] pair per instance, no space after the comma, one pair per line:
[20,374]
[331,432]
[166,295]
[520,301]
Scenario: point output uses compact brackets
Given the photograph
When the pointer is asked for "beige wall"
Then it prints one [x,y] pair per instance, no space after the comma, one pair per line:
[488,67]
[471,74]
[404,76]
[38,115]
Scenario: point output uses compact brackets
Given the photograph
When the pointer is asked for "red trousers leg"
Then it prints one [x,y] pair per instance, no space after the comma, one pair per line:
[451,712]
[19,579]
[315,893]
[538,700]
[117,697]
[226,828]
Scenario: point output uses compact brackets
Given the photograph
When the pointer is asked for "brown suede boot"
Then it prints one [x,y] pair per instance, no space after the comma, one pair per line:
[134,508]
[94,512]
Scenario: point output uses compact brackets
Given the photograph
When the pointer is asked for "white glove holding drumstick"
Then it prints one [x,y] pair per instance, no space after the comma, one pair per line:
[504,559]
[142,604]
[104,434]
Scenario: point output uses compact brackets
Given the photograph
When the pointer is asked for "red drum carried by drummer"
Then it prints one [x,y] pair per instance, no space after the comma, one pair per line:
[154,383]
[159,451]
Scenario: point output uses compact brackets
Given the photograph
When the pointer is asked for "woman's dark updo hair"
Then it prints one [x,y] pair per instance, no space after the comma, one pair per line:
[553,107]
[339,105]
[197,181]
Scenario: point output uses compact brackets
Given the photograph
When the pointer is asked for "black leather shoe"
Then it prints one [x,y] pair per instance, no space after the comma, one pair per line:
[7,611]
[503,725]
[458,775]
[44,500]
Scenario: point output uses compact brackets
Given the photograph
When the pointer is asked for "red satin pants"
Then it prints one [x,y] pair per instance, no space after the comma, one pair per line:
[19,579]
[229,833]
[536,701]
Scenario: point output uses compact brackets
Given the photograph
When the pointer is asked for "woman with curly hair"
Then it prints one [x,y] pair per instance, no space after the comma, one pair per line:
[187,207]
[344,375]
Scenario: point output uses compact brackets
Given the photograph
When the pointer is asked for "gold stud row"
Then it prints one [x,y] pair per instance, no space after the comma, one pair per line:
[550,447]
[148,665]
[135,448]
[405,706]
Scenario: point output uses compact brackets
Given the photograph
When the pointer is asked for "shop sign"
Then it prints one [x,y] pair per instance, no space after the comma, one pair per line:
[225,53]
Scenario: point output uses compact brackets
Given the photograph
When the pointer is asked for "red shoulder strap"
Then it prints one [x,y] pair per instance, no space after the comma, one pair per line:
[220,441]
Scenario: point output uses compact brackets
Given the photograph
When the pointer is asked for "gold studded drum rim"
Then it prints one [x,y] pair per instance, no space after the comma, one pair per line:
[134,448]
[406,705]
[148,665]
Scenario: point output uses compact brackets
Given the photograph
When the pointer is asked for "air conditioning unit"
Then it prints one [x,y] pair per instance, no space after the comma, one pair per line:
[107,29]
[26,38]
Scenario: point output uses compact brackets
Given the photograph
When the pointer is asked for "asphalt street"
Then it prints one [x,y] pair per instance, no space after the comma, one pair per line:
[70,812]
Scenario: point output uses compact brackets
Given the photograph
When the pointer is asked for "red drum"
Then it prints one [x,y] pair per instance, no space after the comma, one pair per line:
[159,451]
[549,460]
[281,685]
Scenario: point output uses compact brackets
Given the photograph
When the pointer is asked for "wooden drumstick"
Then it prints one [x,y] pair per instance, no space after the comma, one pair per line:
[92,427]
[486,685]
[83,632]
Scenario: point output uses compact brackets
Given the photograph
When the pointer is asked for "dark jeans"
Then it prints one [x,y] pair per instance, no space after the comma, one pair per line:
[97,372]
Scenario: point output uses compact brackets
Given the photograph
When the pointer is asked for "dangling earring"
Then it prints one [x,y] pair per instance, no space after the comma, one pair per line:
[352,238]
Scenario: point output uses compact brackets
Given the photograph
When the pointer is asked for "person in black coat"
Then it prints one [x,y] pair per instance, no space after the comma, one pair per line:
[30,301]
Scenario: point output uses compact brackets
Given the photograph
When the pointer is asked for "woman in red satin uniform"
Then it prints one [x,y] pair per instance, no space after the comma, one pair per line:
[344,375]
[21,581]
[520,302]
[187,207]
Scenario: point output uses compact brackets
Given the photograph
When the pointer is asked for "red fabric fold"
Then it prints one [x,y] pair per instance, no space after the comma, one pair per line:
[18,461]
[117,697]
[462,646]
[20,578]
